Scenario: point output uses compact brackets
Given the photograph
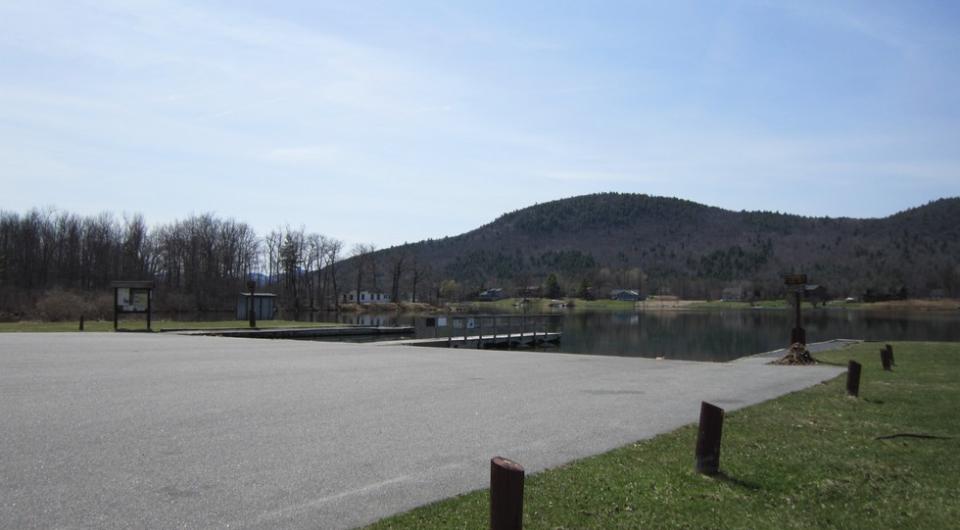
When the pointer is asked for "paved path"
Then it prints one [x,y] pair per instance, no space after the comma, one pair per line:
[123,430]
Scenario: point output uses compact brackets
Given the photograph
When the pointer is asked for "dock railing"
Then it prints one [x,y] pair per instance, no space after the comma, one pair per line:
[495,326]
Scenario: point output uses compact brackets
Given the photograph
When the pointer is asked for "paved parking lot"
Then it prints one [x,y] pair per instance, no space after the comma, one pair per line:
[124,430]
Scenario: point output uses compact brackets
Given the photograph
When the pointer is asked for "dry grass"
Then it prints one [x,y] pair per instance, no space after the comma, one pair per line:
[946,304]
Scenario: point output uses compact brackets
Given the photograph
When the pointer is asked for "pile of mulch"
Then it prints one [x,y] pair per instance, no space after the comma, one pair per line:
[796,354]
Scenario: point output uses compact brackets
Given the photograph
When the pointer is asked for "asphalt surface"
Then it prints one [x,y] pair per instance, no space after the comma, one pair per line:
[122,430]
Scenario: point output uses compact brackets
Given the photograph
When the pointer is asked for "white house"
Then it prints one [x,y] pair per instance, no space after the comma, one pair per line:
[366,297]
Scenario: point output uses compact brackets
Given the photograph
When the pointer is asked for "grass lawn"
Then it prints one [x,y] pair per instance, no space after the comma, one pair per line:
[766,304]
[107,325]
[602,304]
[806,460]
[542,305]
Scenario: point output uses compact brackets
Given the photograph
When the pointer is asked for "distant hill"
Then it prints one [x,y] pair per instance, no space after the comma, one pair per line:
[660,244]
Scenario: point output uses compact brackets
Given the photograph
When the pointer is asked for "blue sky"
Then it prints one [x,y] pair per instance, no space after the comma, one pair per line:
[387,122]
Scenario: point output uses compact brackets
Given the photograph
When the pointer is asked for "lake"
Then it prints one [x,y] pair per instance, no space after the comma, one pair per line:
[716,335]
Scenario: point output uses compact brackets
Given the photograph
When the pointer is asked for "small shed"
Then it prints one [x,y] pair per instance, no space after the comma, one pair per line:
[625,295]
[264,306]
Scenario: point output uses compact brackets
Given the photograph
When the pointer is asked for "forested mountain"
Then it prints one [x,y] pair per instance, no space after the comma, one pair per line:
[659,244]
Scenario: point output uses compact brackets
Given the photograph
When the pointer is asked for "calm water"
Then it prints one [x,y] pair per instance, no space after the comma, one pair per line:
[705,335]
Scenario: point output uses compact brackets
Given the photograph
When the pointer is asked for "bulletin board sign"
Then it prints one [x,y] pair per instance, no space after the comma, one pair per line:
[132,297]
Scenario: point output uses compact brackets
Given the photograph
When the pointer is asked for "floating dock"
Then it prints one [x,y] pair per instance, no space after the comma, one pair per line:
[477,342]
[301,333]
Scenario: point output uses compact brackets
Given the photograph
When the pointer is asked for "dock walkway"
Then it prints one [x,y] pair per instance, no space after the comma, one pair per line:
[499,340]
[298,333]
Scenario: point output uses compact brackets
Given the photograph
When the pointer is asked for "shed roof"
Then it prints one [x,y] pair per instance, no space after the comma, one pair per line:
[136,284]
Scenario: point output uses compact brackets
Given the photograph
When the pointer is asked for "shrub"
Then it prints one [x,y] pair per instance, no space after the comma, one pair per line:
[57,305]
[99,306]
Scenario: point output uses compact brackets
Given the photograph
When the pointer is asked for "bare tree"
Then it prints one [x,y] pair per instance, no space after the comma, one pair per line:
[416,274]
[272,241]
[396,272]
[332,256]
[362,254]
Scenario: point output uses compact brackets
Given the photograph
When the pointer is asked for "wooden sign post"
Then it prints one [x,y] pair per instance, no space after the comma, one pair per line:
[132,297]
[797,282]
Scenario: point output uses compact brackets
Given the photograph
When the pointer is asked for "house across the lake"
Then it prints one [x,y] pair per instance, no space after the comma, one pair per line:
[491,295]
[732,294]
[625,295]
[530,291]
[366,297]
[815,294]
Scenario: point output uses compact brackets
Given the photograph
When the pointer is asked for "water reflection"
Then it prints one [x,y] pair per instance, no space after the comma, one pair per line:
[700,335]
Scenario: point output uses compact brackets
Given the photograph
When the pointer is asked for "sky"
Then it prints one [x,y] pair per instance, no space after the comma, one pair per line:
[388,122]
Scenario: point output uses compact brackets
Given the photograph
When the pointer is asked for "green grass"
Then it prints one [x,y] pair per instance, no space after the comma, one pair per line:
[806,460]
[766,304]
[603,305]
[542,305]
[157,325]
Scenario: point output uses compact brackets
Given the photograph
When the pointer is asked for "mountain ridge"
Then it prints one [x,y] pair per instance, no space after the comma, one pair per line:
[696,250]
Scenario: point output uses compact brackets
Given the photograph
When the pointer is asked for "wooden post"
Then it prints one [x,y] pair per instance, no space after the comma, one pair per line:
[506,494]
[890,354]
[479,332]
[708,439]
[853,379]
[885,359]
[252,312]
[116,308]
[81,322]
[798,334]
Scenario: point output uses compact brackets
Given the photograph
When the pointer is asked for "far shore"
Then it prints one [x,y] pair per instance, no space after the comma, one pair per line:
[672,303]
[535,305]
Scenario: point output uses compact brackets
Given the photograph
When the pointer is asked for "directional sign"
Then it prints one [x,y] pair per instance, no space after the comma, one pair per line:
[795,279]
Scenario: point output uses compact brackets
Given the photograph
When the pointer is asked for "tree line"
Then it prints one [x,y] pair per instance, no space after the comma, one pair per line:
[574,247]
[199,263]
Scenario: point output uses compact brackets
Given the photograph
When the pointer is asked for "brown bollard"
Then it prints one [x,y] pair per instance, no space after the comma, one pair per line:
[890,353]
[81,322]
[708,439]
[853,379]
[506,494]
[885,359]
